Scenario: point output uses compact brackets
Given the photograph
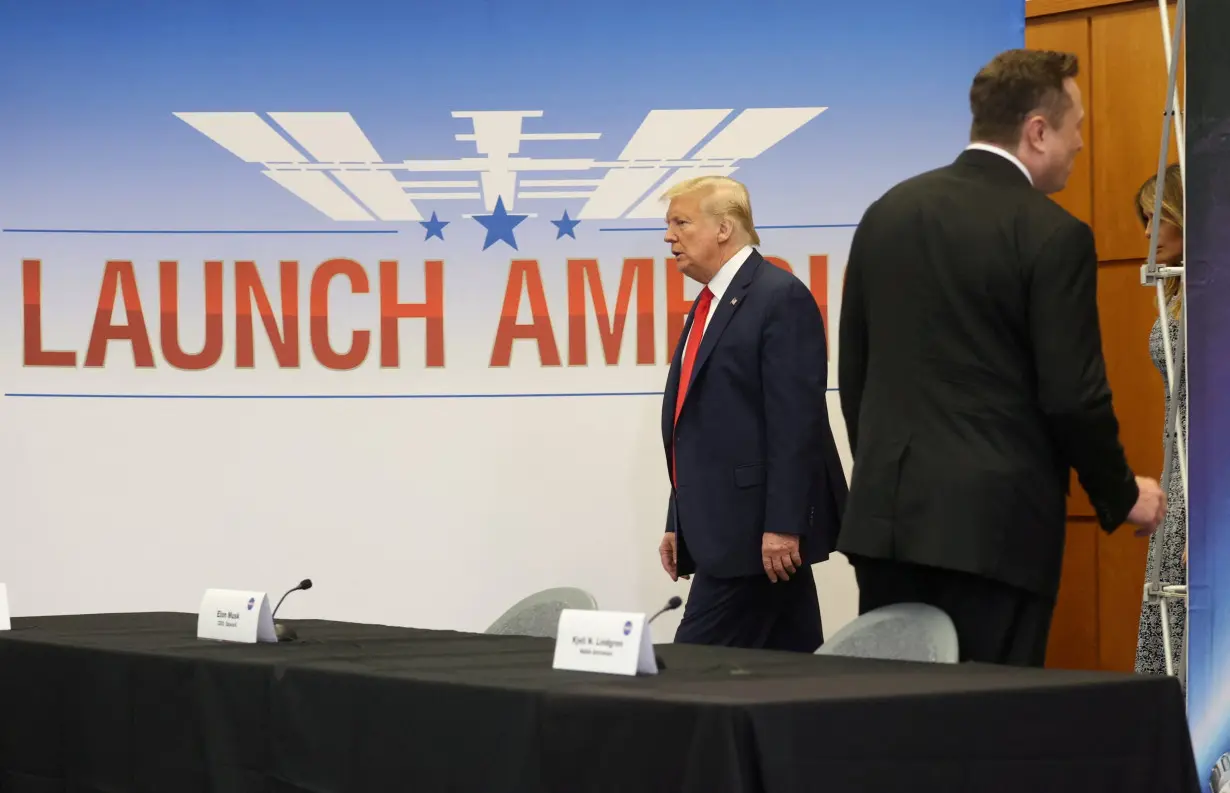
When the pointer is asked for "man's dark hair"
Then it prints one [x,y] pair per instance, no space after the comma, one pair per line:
[1014,85]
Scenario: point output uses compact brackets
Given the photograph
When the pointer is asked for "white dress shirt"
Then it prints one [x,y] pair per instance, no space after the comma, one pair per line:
[720,281]
[1007,155]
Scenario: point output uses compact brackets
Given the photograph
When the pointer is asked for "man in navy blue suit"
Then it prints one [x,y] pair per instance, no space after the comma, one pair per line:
[757,486]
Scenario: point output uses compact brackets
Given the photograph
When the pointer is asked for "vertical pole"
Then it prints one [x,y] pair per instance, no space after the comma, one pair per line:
[1154,586]
[1171,56]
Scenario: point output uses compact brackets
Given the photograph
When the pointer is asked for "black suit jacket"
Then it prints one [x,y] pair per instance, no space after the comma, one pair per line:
[753,443]
[971,376]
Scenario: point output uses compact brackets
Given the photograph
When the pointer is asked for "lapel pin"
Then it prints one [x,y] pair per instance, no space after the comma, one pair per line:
[734,301]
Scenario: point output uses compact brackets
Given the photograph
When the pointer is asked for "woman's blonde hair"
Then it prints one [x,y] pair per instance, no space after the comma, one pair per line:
[1172,213]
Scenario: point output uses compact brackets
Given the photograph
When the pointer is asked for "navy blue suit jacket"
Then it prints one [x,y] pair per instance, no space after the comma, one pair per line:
[753,443]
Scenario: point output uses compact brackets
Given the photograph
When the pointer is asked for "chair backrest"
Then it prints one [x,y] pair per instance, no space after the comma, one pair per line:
[538,614]
[902,632]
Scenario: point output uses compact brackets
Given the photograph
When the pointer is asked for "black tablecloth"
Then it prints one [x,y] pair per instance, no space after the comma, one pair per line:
[133,702]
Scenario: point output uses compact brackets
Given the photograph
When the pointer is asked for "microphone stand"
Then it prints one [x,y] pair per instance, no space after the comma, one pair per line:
[286,633]
[672,604]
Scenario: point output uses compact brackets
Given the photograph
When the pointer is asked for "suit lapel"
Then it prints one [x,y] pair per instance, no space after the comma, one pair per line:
[723,312]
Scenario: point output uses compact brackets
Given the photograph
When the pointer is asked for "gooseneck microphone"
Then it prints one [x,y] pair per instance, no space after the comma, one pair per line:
[672,604]
[285,633]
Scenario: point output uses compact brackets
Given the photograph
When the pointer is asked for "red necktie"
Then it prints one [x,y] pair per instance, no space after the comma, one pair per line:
[689,354]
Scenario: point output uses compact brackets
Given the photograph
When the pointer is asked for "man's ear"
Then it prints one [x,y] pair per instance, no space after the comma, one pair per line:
[725,229]
[1032,132]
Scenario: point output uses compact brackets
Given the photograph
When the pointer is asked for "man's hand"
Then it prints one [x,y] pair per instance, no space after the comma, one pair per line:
[1150,509]
[670,556]
[780,555]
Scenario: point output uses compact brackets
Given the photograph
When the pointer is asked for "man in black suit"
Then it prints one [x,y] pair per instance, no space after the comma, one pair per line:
[972,378]
[758,487]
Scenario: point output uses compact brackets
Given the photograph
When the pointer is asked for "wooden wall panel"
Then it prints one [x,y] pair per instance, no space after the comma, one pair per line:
[1074,642]
[1038,8]
[1128,313]
[1129,97]
[1121,581]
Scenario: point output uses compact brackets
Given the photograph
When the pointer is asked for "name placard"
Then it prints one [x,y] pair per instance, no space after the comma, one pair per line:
[609,642]
[5,624]
[231,615]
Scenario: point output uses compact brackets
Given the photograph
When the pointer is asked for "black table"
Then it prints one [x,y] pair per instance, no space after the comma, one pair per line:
[133,702]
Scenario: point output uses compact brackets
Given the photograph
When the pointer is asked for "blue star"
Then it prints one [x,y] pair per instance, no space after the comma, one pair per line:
[500,225]
[565,226]
[435,227]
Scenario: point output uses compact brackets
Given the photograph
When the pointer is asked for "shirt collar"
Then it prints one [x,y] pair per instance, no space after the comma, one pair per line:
[722,278]
[1002,153]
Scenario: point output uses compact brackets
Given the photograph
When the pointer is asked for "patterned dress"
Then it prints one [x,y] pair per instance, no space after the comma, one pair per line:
[1150,655]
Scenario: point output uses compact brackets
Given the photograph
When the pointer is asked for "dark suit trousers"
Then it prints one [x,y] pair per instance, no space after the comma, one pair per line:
[753,612]
[996,623]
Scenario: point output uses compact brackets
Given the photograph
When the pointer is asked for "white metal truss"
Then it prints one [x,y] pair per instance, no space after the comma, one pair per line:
[1156,590]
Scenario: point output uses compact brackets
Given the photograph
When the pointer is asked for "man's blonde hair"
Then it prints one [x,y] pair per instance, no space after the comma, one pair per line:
[724,197]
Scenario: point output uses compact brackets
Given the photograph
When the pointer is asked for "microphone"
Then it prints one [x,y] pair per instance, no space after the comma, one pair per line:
[672,604]
[284,632]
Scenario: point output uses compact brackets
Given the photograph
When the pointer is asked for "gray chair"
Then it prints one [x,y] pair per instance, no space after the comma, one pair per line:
[902,632]
[538,614]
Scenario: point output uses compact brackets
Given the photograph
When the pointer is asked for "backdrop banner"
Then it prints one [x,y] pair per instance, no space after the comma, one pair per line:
[1208,339]
[376,293]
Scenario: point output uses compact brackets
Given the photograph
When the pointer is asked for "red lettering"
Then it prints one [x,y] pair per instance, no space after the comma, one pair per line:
[118,278]
[360,340]
[780,262]
[32,320]
[819,279]
[250,289]
[431,309]
[168,289]
[677,307]
[524,274]
[610,332]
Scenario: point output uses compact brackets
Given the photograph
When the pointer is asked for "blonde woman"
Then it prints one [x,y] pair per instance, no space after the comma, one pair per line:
[1150,655]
